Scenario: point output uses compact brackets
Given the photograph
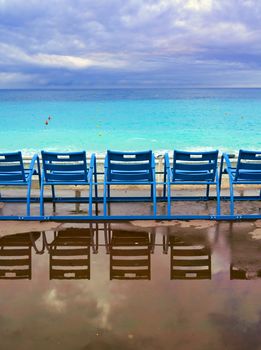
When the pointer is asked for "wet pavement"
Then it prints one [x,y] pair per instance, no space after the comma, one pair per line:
[136,208]
[133,285]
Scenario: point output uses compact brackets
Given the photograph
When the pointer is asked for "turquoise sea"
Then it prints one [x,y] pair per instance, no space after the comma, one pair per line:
[130,119]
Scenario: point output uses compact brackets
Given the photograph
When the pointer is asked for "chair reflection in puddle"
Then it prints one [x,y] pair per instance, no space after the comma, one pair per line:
[70,254]
[16,256]
[243,274]
[188,262]
[130,255]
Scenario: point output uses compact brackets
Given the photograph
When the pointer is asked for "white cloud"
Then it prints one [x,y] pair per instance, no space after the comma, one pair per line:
[199,5]
[61,61]
[52,301]
[101,59]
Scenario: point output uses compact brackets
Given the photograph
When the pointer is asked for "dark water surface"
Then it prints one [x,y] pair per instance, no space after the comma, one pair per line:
[140,285]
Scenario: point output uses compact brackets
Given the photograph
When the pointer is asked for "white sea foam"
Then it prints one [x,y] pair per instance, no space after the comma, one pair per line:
[28,153]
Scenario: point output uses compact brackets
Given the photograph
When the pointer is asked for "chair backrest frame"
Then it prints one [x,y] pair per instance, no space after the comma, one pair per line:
[12,168]
[64,167]
[248,166]
[195,166]
[130,166]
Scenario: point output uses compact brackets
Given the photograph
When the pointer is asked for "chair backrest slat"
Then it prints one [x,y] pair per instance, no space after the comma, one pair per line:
[193,177]
[65,167]
[11,168]
[129,177]
[130,156]
[196,156]
[129,166]
[194,166]
[65,177]
[248,166]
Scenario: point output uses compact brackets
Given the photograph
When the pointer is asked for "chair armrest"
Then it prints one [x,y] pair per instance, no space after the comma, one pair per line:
[153,161]
[227,157]
[227,160]
[93,162]
[166,161]
[33,161]
[167,168]
[153,165]
[106,165]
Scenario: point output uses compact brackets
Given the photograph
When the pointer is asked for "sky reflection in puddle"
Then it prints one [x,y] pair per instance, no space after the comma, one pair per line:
[125,286]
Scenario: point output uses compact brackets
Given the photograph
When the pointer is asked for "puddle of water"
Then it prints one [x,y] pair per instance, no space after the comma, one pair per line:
[131,286]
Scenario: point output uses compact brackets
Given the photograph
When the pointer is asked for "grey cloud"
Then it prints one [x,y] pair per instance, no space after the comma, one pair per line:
[147,43]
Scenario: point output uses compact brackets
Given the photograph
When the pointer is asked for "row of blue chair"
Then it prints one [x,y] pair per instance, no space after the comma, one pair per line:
[131,168]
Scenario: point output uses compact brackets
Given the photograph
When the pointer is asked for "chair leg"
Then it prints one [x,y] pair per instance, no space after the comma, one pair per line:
[42,200]
[105,199]
[95,186]
[231,189]
[53,198]
[221,171]
[164,185]
[218,198]
[90,200]
[154,199]
[28,200]
[207,192]
[169,199]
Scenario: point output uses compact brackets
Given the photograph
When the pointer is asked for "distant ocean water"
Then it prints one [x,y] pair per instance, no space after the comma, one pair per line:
[130,119]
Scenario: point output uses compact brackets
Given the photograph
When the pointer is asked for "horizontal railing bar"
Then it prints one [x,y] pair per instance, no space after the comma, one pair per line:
[107,218]
[123,199]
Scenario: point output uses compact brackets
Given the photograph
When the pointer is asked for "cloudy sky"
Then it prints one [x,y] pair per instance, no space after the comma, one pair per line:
[130,43]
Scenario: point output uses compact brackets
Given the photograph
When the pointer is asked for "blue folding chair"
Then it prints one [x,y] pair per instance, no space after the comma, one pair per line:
[246,172]
[13,173]
[129,168]
[191,168]
[67,169]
